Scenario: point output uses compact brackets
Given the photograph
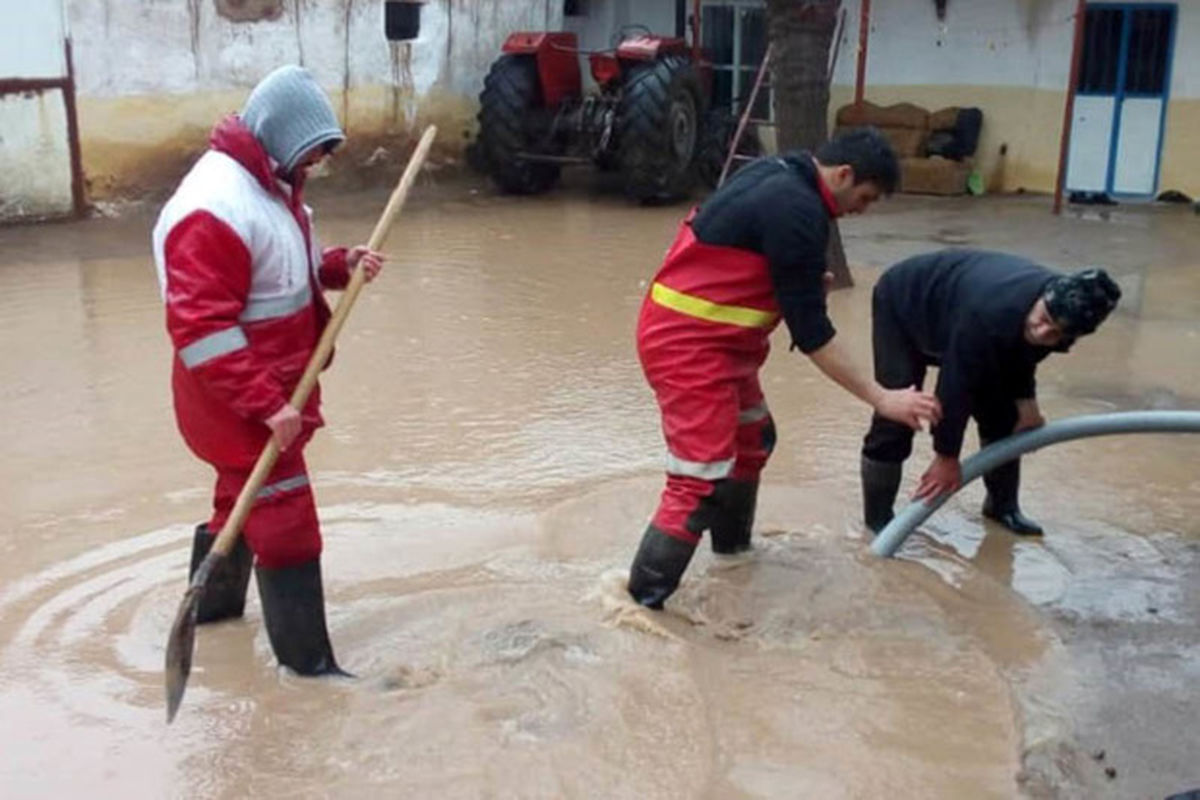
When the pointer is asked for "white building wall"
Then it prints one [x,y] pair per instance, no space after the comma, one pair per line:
[35,150]
[605,18]
[179,47]
[980,42]
[1010,58]
[35,156]
[27,30]
[153,76]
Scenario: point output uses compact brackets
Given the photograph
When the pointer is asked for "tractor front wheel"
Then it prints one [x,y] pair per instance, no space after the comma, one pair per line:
[658,124]
[511,109]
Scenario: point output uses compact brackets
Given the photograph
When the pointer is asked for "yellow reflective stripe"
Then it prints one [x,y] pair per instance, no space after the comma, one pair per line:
[713,312]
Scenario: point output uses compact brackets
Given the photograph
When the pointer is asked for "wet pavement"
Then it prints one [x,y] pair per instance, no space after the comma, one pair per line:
[491,457]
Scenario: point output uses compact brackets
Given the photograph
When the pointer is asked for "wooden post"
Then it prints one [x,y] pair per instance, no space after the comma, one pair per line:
[864,33]
[78,196]
[1069,107]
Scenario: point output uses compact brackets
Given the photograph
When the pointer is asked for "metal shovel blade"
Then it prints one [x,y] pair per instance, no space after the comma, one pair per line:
[182,639]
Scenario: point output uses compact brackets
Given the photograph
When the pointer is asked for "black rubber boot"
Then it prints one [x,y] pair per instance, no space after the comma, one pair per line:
[734,517]
[1001,503]
[225,592]
[293,603]
[658,567]
[880,482]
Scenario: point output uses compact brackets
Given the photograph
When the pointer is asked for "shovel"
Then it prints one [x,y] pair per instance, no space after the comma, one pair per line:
[182,639]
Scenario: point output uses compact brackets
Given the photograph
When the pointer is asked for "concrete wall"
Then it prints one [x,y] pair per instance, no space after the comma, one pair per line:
[606,17]
[1010,58]
[153,76]
[35,155]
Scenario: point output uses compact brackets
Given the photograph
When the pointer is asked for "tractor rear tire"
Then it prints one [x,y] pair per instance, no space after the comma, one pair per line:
[658,124]
[510,102]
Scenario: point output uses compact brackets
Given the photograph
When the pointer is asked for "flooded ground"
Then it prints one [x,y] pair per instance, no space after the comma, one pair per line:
[491,459]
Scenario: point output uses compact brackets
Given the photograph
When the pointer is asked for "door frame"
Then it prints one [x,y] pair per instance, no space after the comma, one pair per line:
[1120,94]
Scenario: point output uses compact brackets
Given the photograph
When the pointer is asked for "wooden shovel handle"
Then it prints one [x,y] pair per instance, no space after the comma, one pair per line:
[241,509]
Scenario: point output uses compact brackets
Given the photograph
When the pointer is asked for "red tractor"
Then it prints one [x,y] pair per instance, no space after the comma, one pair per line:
[647,120]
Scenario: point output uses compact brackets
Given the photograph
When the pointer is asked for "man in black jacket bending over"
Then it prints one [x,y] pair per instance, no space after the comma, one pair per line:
[986,319]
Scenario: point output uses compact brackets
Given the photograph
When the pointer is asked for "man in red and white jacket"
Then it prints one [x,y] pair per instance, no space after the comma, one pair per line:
[242,278]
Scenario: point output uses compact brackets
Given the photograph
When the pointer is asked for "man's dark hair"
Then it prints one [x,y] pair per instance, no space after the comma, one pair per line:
[1080,302]
[868,153]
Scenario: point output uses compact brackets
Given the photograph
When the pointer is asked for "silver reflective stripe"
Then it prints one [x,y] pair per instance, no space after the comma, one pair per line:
[279,487]
[276,306]
[211,346]
[706,470]
[753,414]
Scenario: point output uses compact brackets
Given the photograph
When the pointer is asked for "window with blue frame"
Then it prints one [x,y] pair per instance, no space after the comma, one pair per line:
[1146,58]
[1149,46]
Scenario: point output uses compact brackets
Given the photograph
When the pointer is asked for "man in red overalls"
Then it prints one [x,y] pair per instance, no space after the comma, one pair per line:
[242,277]
[752,254]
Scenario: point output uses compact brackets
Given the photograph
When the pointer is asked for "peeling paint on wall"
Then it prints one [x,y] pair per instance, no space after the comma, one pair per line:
[346,67]
[249,10]
[184,64]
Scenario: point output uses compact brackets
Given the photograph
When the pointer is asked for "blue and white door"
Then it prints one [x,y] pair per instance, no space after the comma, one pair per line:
[1121,100]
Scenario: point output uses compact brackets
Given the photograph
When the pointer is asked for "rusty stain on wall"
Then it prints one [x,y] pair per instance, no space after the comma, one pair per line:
[346,69]
[249,10]
[194,19]
[299,33]
[448,74]
[385,96]
[403,86]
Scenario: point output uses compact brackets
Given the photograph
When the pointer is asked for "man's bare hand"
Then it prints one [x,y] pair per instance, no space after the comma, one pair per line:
[943,476]
[909,406]
[285,425]
[1029,416]
[369,260]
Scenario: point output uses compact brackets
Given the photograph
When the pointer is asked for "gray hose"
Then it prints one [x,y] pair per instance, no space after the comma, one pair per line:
[1064,430]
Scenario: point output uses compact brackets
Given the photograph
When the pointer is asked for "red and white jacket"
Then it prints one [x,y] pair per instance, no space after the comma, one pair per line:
[241,275]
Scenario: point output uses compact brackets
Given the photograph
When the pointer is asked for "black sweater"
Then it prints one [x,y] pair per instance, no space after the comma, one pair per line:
[965,311]
[772,206]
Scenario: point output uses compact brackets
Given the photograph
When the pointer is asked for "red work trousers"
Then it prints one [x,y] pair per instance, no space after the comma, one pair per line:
[282,528]
[716,425]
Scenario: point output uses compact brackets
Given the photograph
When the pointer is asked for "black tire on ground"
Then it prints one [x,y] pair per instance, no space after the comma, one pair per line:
[658,126]
[716,135]
[509,106]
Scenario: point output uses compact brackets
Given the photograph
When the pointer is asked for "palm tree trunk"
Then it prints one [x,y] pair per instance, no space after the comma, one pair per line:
[801,32]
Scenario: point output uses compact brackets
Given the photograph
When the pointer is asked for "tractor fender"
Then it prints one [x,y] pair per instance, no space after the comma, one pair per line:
[557,57]
[649,48]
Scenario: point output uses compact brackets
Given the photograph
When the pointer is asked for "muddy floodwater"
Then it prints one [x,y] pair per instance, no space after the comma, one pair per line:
[491,457]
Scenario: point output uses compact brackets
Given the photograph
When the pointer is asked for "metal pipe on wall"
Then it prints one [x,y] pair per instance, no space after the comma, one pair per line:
[864,34]
[1005,450]
[1069,107]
